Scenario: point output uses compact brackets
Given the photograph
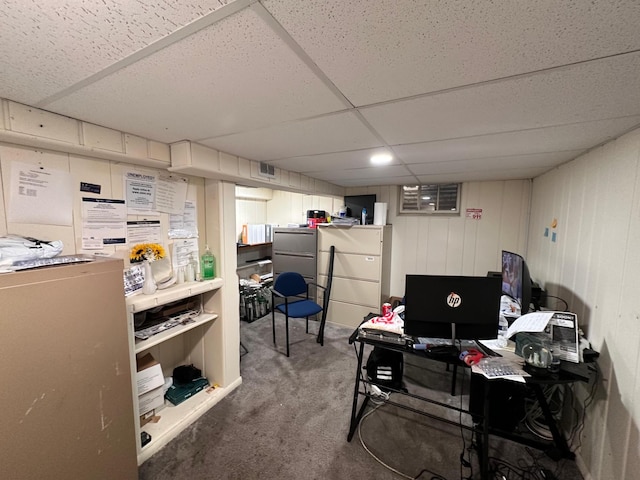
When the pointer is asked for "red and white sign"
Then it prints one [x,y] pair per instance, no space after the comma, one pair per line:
[475,213]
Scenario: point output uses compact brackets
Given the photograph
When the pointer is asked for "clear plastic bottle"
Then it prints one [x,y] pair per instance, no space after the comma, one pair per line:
[208,264]
[503,326]
[364,216]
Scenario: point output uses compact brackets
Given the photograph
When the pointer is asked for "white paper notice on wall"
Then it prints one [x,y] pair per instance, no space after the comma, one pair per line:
[171,193]
[475,213]
[140,191]
[40,195]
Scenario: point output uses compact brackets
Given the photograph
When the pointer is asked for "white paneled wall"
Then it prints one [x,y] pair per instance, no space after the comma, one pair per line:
[281,208]
[457,245]
[289,207]
[108,174]
[249,211]
[594,264]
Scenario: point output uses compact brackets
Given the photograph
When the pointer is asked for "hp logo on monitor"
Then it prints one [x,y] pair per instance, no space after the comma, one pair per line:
[454,300]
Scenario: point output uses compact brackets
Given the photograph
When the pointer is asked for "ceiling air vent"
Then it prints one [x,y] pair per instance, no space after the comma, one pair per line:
[267,170]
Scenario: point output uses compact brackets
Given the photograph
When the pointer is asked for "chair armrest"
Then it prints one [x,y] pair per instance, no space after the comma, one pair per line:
[277,293]
[317,285]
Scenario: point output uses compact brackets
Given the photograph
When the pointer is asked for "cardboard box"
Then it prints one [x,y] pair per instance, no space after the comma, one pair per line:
[149,376]
[148,418]
[151,400]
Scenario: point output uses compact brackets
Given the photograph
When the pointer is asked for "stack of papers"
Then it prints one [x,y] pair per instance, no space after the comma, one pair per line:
[500,367]
[560,329]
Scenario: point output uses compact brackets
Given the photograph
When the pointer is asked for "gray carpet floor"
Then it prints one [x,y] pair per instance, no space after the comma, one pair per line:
[290,418]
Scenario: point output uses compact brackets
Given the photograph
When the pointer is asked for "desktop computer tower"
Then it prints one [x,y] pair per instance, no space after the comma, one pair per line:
[506,402]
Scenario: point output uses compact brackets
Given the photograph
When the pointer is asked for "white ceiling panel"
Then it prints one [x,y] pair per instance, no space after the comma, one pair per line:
[483,175]
[537,160]
[597,90]
[538,140]
[235,75]
[459,90]
[388,49]
[328,161]
[365,182]
[60,43]
[331,133]
[388,173]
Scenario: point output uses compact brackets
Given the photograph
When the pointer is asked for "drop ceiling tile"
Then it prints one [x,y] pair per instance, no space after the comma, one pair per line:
[330,133]
[484,175]
[552,98]
[367,182]
[232,76]
[377,51]
[545,160]
[49,46]
[335,176]
[329,161]
[540,140]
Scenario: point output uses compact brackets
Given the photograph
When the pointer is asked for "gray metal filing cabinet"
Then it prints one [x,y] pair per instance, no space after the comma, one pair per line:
[295,250]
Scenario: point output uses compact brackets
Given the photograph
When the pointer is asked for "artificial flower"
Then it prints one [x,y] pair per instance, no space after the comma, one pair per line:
[146,251]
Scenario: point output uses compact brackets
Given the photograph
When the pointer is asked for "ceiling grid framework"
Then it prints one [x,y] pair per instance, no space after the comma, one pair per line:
[456,90]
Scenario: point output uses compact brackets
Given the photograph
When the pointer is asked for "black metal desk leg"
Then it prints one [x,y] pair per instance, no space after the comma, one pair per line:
[558,438]
[355,418]
[484,434]
[453,380]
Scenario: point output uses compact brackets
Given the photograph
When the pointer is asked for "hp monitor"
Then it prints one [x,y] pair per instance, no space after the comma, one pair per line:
[453,307]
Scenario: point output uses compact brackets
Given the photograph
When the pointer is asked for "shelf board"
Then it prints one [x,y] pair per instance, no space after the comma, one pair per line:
[175,418]
[243,246]
[158,338]
[140,301]
[260,263]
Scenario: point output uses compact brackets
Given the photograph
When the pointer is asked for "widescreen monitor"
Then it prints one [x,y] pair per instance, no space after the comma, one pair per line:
[516,281]
[452,307]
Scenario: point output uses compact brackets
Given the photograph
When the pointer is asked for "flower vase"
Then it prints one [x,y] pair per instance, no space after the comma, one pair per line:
[149,286]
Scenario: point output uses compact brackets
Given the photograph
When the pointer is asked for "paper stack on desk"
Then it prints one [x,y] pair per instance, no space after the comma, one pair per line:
[559,329]
[507,367]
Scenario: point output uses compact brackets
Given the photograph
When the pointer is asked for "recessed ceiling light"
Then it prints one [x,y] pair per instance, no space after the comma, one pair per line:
[426,198]
[381,159]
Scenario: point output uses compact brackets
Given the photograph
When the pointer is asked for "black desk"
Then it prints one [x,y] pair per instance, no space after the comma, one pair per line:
[480,415]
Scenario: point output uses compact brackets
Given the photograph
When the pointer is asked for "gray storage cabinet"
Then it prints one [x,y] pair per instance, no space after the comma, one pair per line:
[295,250]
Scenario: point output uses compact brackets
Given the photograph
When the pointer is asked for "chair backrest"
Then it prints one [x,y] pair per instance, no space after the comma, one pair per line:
[290,284]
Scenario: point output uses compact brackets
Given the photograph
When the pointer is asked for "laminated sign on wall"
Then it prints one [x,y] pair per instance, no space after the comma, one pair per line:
[475,213]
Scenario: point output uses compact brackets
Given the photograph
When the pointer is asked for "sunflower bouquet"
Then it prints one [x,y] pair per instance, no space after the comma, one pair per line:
[146,251]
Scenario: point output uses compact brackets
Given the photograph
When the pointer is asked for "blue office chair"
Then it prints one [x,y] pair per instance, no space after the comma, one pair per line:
[294,290]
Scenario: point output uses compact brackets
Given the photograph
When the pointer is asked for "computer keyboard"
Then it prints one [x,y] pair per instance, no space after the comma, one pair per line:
[175,320]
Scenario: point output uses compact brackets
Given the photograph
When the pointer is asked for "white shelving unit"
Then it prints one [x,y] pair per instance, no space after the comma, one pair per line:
[201,343]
